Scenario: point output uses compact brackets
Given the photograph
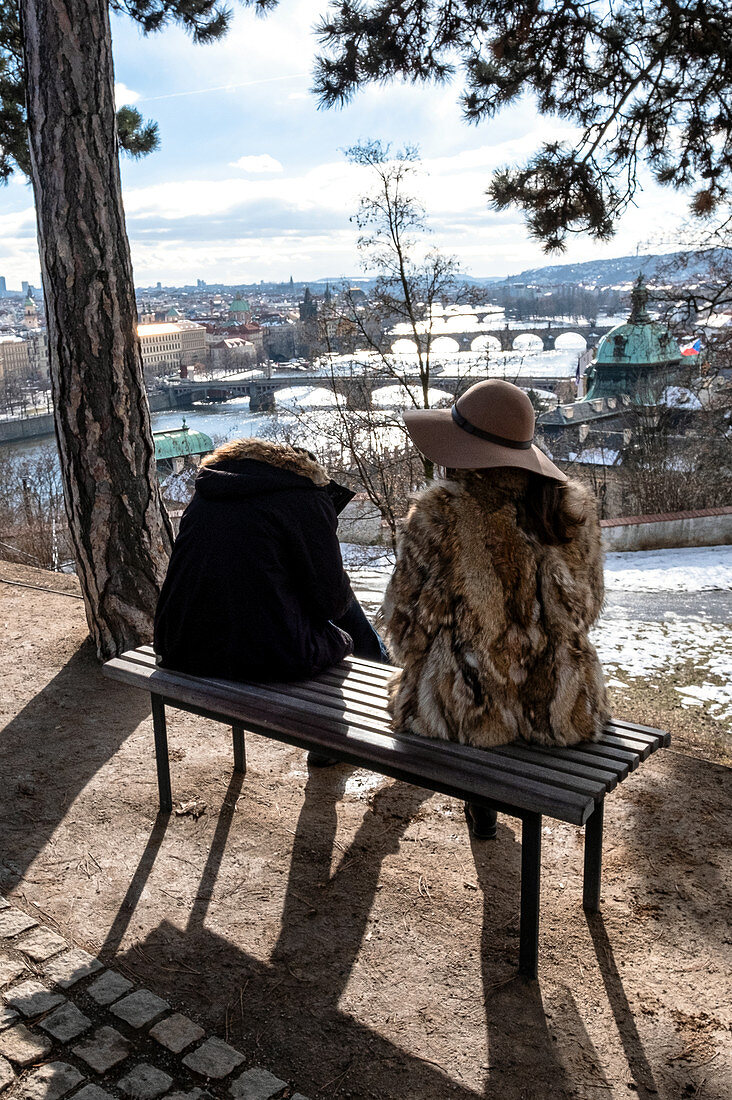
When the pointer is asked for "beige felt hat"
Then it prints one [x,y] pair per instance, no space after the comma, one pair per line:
[491,424]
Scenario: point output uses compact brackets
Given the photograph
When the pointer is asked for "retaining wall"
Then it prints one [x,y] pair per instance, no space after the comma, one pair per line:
[706,527]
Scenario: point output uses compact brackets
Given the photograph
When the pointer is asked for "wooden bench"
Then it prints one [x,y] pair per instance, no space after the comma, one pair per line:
[342,713]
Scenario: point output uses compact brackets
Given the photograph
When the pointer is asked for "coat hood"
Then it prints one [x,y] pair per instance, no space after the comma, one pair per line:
[249,467]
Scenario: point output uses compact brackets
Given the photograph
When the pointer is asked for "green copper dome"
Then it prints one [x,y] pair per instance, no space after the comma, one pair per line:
[239,305]
[179,442]
[632,352]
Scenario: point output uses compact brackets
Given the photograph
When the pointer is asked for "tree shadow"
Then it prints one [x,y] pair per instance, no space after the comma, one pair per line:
[48,754]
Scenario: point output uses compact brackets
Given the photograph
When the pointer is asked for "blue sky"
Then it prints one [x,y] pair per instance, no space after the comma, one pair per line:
[251,182]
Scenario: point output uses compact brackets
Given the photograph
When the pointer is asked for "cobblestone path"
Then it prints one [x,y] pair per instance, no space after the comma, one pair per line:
[71,1030]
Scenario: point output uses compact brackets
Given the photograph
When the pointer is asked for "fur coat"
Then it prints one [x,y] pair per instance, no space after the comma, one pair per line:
[489,624]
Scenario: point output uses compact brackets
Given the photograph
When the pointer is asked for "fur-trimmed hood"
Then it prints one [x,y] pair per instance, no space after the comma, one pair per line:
[489,623]
[249,467]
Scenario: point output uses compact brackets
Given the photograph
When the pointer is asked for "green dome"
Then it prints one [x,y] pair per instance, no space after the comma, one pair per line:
[633,351]
[179,442]
[239,305]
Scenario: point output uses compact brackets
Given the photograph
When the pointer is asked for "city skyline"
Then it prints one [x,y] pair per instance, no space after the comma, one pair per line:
[251,181]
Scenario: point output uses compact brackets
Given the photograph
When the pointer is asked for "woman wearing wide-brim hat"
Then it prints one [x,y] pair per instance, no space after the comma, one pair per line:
[498,579]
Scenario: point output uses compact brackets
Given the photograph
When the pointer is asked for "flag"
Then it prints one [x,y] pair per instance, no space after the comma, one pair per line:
[692,349]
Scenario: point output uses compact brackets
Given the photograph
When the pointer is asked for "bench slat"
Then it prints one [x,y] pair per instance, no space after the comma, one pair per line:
[643,750]
[420,760]
[664,736]
[556,759]
[601,751]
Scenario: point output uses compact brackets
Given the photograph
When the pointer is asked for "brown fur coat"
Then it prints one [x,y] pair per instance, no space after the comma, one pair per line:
[489,624]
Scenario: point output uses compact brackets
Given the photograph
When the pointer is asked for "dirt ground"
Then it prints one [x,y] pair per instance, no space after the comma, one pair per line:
[342,929]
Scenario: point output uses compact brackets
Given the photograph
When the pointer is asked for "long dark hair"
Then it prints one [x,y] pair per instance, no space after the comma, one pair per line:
[550,513]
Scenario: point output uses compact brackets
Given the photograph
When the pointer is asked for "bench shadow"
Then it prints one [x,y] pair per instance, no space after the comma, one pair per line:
[48,755]
[638,1064]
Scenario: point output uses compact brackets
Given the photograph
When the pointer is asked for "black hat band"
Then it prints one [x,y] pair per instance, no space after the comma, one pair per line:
[488,436]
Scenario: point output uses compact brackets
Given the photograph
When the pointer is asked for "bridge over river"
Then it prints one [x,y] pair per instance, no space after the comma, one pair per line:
[357,390]
[509,337]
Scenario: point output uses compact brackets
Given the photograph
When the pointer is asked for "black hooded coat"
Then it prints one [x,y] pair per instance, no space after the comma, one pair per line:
[256,572]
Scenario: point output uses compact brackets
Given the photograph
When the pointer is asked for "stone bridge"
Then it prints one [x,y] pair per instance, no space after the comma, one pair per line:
[504,338]
[355,389]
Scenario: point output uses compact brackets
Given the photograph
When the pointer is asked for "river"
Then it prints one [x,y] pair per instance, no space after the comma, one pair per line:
[232,419]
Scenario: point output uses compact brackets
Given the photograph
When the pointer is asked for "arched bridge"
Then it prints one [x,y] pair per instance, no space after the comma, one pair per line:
[356,390]
[505,338]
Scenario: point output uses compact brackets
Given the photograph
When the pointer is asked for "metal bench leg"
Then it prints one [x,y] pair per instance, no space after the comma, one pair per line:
[530,885]
[593,859]
[240,752]
[161,753]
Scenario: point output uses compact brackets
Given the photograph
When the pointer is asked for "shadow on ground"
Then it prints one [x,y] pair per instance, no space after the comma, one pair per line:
[49,752]
[324,921]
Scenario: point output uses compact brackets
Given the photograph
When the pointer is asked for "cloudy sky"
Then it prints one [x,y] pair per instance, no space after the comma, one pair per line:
[251,182]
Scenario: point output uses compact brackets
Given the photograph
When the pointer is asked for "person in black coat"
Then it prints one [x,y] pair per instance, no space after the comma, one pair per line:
[256,588]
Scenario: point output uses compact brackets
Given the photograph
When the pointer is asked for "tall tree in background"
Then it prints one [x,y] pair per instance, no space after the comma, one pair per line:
[411,281]
[119,527]
[643,80]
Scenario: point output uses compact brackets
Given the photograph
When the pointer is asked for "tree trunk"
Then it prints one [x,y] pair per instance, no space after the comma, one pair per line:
[120,530]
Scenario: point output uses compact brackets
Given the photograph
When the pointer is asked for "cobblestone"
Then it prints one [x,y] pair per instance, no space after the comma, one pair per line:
[140,1008]
[8,1016]
[66,970]
[31,998]
[7,1075]
[256,1084]
[177,1032]
[104,1049]
[92,1092]
[10,969]
[295,1096]
[145,1082]
[66,1023]
[40,944]
[4,903]
[20,1046]
[50,1082]
[13,922]
[194,1094]
[214,1058]
[109,987]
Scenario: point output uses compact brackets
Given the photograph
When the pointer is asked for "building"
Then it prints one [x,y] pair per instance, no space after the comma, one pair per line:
[13,357]
[232,353]
[3,287]
[178,447]
[172,345]
[30,313]
[639,357]
[635,364]
[240,311]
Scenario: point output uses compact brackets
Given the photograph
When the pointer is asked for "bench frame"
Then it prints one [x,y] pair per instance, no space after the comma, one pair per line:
[531,819]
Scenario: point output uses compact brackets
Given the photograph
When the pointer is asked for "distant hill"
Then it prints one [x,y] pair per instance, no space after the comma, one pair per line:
[606,273]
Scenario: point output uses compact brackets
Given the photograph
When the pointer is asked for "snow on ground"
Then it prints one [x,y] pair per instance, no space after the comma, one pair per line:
[695,651]
[692,569]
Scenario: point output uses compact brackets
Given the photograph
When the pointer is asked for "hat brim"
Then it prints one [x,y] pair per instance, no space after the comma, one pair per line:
[438,437]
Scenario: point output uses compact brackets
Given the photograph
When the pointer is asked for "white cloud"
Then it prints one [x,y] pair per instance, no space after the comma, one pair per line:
[256,164]
[124,96]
